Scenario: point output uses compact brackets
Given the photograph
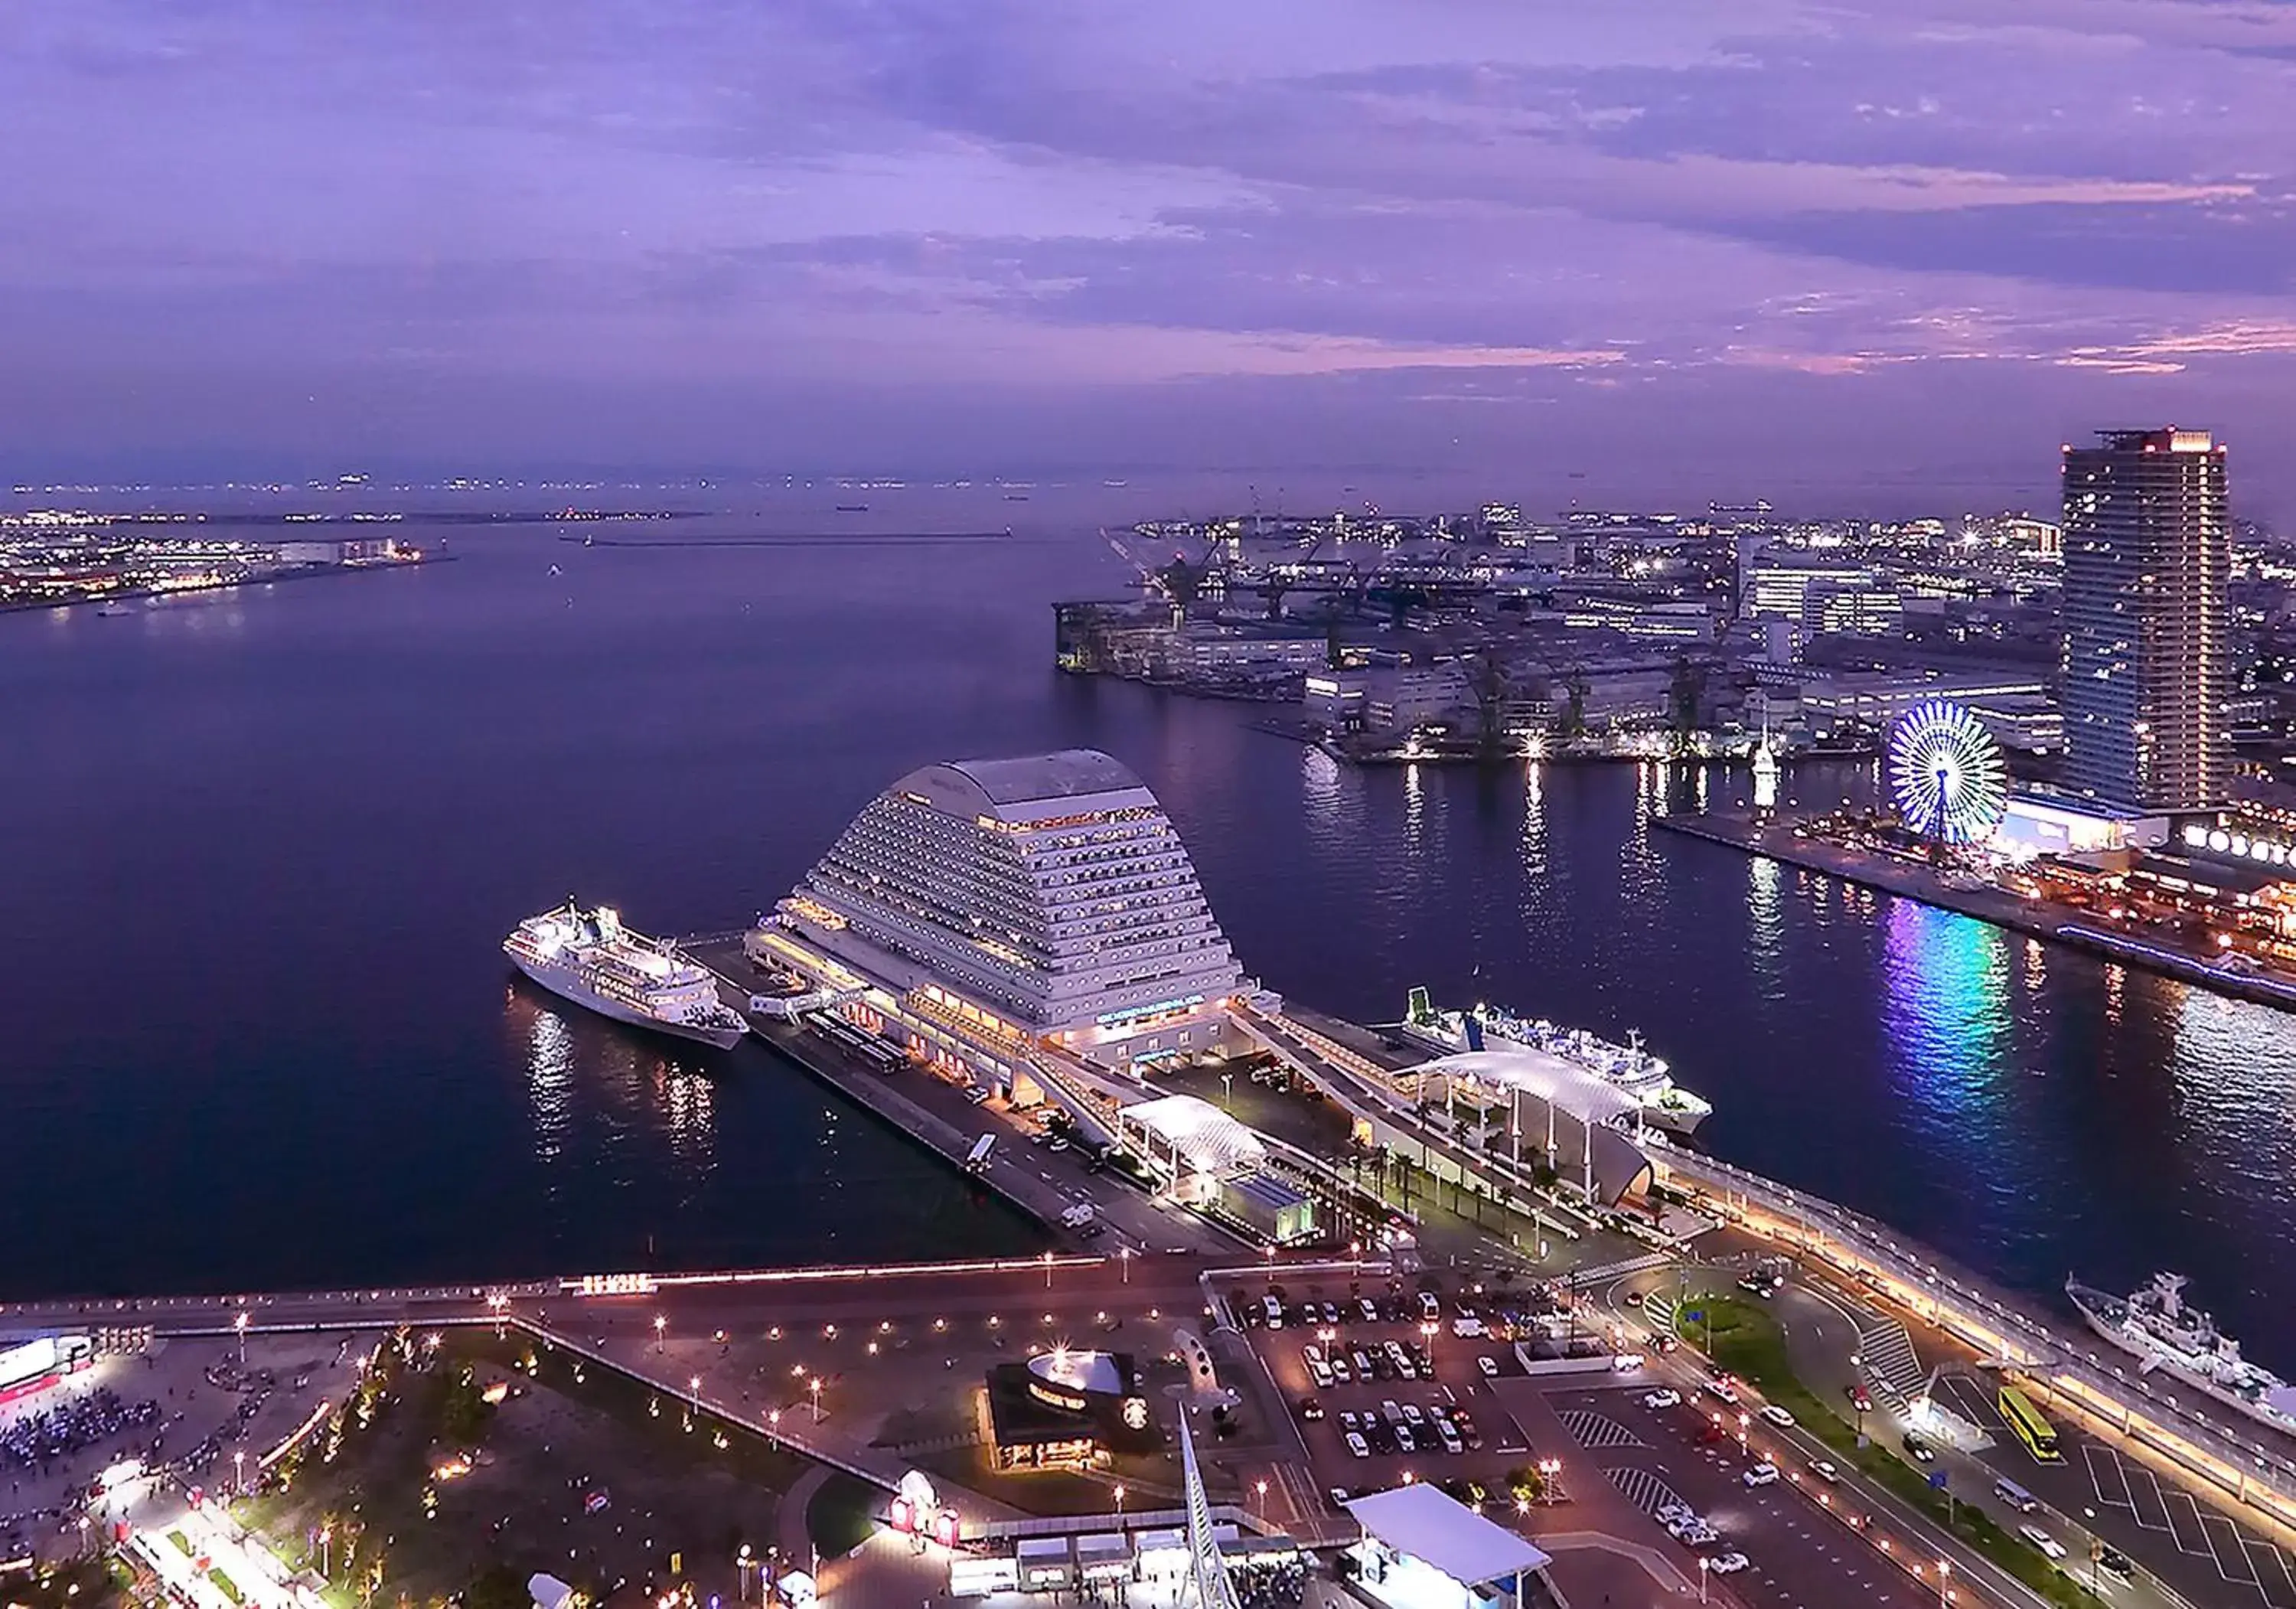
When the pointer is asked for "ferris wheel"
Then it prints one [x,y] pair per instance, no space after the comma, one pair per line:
[1946,774]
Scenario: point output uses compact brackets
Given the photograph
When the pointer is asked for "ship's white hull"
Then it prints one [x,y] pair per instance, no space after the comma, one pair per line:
[2164,1362]
[562,983]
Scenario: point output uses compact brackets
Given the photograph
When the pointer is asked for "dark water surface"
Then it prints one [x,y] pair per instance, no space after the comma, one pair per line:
[260,851]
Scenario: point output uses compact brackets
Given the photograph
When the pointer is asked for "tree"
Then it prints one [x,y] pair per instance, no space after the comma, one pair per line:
[1574,708]
[1488,680]
[497,1587]
[1686,696]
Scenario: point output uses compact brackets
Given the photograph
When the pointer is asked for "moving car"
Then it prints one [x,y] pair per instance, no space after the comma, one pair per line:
[1762,1474]
[1824,1471]
[1722,1389]
[2115,1563]
[2042,1539]
[1728,1563]
[1310,1407]
[1489,1365]
[1918,1450]
[1777,1415]
[1667,1397]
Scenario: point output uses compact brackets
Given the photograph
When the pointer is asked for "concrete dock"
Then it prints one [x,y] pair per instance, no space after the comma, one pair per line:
[935,1115]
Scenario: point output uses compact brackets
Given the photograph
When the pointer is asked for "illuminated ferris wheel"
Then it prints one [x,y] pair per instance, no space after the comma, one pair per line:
[1946,774]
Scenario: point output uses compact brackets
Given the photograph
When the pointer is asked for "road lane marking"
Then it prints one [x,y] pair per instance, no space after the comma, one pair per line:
[2092,1454]
[2273,1579]
[2211,1523]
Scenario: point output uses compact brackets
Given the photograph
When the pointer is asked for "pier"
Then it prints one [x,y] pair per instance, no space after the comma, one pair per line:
[2082,930]
[935,1115]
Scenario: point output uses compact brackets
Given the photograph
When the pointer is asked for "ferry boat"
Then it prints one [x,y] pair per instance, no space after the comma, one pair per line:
[1665,1104]
[590,958]
[2184,1342]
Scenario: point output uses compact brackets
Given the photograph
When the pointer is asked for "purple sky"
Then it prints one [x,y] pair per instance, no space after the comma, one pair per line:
[1868,251]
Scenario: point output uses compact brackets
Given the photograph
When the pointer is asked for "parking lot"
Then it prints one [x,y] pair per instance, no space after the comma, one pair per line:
[2188,1541]
[1616,1464]
[1390,1392]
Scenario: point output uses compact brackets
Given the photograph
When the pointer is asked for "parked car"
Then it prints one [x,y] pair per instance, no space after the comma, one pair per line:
[1728,1563]
[1489,1365]
[1356,1444]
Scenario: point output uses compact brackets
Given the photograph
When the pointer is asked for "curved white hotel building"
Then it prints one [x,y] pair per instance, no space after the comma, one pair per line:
[1044,903]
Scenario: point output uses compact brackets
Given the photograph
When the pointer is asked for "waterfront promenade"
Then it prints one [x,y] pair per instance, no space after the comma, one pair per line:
[1782,840]
[2250,1464]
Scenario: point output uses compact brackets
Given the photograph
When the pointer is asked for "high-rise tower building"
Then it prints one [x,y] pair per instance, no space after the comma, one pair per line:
[2147,655]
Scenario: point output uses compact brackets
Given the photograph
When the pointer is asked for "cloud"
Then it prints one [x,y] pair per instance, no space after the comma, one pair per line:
[1442,202]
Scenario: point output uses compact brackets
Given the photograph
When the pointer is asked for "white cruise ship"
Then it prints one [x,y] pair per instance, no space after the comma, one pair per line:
[590,958]
[1632,1070]
[2184,1342]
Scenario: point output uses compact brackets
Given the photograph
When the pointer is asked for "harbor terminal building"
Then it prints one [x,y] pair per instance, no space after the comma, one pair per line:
[1035,927]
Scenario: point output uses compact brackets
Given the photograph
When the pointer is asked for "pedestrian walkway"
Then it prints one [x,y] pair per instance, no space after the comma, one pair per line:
[1886,1351]
[1590,1428]
[1645,1490]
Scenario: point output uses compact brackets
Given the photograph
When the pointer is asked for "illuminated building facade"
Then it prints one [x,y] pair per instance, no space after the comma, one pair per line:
[1066,1409]
[1045,901]
[2148,625]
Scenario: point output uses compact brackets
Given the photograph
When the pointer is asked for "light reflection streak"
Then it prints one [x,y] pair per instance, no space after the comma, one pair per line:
[550,1083]
[1765,908]
[1947,1026]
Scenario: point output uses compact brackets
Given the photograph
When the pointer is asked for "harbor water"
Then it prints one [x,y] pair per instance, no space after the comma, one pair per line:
[262,850]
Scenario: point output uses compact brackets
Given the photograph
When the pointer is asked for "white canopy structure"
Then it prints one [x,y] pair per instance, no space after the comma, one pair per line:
[1418,1522]
[1196,1133]
[1585,1096]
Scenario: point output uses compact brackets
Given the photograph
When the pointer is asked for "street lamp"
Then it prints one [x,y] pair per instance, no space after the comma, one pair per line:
[240,1324]
[743,1564]
[1705,1568]
[1263,1500]
[1119,1508]
[239,1471]
[1124,1256]
[1048,1271]
[694,1386]
[1945,1572]
[814,1385]
[660,1324]
[773,1425]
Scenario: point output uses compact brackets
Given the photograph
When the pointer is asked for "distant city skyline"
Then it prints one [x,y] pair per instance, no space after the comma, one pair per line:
[1879,258]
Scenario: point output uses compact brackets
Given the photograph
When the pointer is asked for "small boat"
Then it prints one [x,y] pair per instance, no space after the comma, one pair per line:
[853,508]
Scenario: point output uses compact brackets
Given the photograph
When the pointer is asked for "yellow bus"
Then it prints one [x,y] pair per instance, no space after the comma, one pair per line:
[2026,1422]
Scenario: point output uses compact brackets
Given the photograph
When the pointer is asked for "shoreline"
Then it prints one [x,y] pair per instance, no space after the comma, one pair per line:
[2058,925]
[302,572]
